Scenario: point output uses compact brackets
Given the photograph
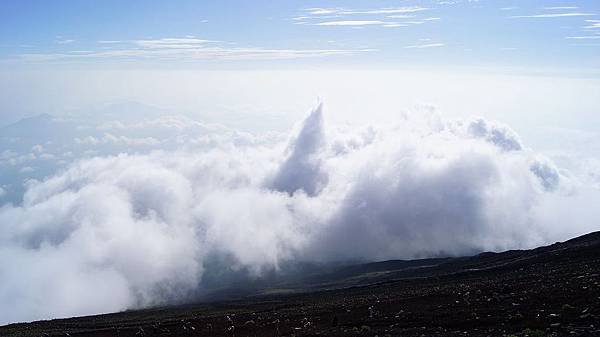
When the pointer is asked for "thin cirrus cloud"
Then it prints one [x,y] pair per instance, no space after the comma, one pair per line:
[592,24]
[342,11]
[586,37]
[65,41]
[318,16]
[354,23]
[172,43]
[592,27]
[187,48]
[401,16]
[552,15]
[427,45]
[561,7]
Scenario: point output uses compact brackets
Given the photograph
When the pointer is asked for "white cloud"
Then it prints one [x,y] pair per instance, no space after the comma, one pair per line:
[547,173]
[171,43]
[302,169]
[311,14]
[396,10]
[26,169]
[561,7]
[343,11]
[115,232]
[594,24]
[322,11]
[186,49]
[587,37]
[352,23]
[552,15]
[38,148]
[495,133]
[428,45]
[109,138]
[402,16]
[395,24]
[197,54]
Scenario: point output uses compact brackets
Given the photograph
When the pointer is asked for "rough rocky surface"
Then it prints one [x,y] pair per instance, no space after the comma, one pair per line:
[548,291]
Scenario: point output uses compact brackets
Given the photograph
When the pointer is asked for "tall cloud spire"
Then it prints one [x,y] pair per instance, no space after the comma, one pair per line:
[302,169]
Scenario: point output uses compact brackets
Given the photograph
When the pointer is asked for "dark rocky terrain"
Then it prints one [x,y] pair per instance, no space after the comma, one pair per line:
[548,291]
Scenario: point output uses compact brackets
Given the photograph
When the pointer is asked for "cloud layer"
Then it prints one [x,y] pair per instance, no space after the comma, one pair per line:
[133,230]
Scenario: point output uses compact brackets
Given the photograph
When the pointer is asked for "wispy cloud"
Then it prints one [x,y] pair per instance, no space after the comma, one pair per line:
[388,17]
[350,23]
[428,45]
[552,15]
[561,7]
[187,48]
[398,10]
[585,37]
[342,11]
[65,41]
[592,24]
[395,24]
[172,43]
[361,23]
[401,16]
[322,11]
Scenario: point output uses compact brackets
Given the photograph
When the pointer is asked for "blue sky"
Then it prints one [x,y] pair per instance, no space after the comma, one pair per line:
[68,57]
[51,50]
[271,33]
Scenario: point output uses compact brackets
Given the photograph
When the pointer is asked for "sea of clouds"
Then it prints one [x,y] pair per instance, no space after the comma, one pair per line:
[134,225]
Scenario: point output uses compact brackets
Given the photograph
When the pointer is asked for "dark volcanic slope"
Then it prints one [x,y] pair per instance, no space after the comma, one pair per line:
[548,291]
